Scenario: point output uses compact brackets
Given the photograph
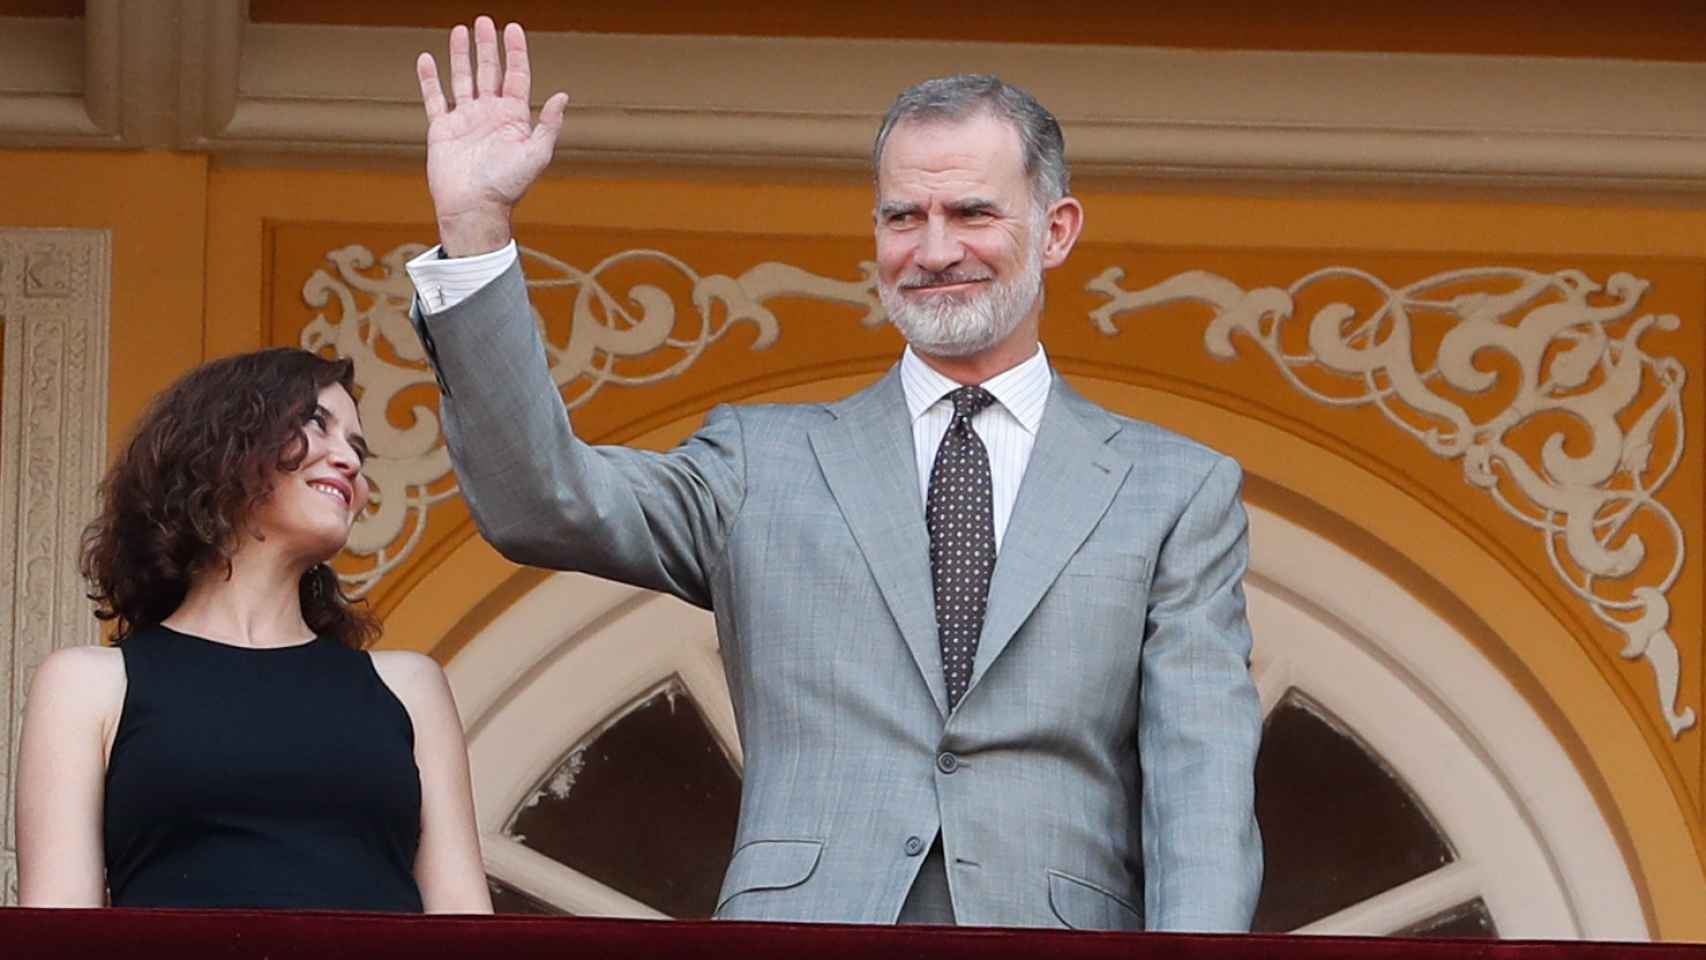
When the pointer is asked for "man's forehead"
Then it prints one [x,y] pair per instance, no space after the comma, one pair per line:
[982,132]
[980,145]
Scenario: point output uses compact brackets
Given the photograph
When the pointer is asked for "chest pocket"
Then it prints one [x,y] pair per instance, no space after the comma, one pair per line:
[1093,561]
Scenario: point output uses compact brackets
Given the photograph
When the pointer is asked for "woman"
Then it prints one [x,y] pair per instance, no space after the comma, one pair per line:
[235,747]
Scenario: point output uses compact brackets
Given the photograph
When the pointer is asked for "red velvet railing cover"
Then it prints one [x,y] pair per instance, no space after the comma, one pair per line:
[232,934]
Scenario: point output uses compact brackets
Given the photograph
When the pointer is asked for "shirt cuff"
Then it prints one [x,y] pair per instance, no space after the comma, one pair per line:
[443,282]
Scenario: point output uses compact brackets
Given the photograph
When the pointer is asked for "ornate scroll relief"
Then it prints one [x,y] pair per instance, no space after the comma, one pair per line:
[53,424]
[410,467]
[1571,363]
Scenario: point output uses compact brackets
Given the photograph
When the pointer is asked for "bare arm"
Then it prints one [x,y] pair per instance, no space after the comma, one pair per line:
[69,719]
[448,870]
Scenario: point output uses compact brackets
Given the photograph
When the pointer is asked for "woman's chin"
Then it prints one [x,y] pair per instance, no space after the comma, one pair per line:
[319,547]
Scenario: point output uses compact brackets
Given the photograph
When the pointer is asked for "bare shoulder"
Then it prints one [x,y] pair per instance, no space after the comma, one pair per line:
[81,671]
[79,684]
[415,678]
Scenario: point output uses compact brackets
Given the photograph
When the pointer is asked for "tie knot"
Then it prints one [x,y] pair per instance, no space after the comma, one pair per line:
[969,401]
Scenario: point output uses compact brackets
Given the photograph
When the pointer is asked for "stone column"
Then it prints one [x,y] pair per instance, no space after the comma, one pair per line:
[54,291]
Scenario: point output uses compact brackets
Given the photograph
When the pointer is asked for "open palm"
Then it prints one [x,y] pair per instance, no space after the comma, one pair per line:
[483,153]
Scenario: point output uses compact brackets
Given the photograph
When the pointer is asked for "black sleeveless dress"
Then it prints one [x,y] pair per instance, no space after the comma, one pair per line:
[243,777]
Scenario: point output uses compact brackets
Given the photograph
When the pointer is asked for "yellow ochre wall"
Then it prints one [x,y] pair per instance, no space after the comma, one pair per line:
[211,259]
[155,204]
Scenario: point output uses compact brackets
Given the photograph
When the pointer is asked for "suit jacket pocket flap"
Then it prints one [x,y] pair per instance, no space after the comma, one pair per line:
[1102,562]
[770,865]
[1083,905]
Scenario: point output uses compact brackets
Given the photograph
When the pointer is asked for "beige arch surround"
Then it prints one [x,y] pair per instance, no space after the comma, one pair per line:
[471,584]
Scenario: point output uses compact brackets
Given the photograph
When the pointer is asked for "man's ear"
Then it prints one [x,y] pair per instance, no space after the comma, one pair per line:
[1061,226]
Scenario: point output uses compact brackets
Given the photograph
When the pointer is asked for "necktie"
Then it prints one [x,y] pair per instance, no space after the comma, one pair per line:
[961,518]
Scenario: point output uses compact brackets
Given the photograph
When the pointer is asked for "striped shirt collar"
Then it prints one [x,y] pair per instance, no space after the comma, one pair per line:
[1023,389]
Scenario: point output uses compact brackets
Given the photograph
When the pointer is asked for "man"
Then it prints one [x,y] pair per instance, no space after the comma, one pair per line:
[986,641]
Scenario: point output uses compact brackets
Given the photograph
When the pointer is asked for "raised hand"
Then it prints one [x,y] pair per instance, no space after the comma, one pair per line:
[483,153]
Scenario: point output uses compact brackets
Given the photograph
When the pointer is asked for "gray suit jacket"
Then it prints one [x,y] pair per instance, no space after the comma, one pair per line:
[1097,773]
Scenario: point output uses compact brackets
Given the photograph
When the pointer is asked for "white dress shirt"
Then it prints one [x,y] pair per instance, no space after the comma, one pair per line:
[1007,427]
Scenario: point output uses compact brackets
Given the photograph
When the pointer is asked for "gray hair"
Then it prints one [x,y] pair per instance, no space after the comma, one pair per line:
[964,95]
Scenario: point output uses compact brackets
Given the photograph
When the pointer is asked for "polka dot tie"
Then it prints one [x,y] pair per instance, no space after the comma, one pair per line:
[960,514]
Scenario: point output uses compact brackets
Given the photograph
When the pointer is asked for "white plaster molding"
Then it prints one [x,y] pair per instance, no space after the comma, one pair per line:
[53,413]
[42,85]
[1126,110]
[109,79]
[195,74]
[211,35]
[1407,904]
[410,467]
[1576,343]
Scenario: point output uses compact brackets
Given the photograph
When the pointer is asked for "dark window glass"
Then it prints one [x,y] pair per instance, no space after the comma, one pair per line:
[1338,826]
[507,899]
[646,806]
[1468,921]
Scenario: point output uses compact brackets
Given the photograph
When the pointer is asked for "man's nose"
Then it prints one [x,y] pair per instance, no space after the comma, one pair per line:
[941,249]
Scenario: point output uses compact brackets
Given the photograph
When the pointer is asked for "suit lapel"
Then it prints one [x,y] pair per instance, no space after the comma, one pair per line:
[1069,483]
[867,458]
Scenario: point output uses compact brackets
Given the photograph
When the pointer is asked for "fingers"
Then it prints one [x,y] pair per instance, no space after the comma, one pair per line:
[461,78]
[432,93]
[481,75]
[486,56]
[518,76]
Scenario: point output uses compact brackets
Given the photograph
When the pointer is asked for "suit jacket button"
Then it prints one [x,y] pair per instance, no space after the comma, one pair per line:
[914,846]
[947,763]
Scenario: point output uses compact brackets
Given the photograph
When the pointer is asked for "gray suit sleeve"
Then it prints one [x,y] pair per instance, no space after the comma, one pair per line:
[1200,721]
[545,498]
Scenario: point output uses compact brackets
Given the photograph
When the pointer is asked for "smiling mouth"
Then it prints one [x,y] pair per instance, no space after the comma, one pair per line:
[946,286]
[333,491]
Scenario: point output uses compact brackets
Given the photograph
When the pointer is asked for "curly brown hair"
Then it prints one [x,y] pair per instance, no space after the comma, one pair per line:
[204,455]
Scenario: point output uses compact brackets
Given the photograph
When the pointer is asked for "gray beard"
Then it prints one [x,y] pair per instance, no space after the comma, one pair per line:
[959,325]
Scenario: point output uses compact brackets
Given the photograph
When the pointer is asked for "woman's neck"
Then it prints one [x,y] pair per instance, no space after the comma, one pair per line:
[258,605]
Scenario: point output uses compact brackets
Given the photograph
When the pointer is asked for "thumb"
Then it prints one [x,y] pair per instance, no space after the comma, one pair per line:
[544,135]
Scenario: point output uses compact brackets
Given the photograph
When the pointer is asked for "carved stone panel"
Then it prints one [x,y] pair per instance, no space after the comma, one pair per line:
[54,288]
[1581,365]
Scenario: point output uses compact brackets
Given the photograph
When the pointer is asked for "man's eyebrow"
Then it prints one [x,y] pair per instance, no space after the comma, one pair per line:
[974,205]
[893,207]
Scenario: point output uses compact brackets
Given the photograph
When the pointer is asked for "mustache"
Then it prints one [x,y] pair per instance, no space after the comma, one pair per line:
[943,278]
